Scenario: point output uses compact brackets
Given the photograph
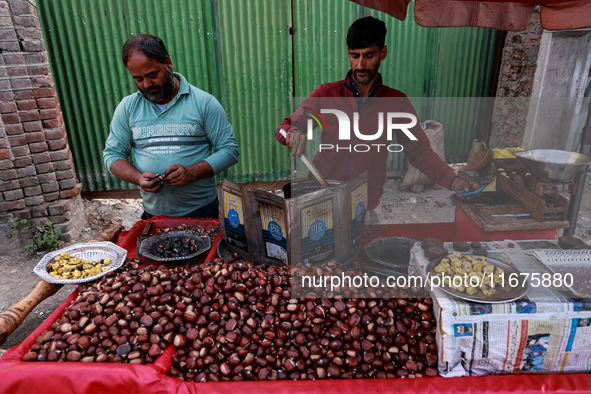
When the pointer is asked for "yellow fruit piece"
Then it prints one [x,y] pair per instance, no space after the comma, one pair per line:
[489,275]
[70,267]
[471,290]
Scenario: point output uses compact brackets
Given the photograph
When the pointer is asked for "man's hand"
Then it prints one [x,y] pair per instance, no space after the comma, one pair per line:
[461,185]
[149,182]
[178,175]
[296,141]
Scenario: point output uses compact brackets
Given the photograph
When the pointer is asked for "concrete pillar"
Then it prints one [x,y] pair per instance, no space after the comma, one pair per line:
[559,86]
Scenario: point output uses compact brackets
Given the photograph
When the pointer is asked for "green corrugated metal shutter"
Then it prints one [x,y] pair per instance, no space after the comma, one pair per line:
[422,62]
[84,40]
[257,68]
[463,70]
[242,52]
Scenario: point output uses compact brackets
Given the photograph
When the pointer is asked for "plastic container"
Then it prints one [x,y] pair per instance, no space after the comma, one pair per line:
[476,146]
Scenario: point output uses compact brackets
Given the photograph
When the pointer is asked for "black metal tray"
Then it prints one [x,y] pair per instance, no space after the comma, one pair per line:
[390,252]
[202,244]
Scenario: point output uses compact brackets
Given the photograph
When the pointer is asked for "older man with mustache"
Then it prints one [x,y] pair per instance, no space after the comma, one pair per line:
[172,128]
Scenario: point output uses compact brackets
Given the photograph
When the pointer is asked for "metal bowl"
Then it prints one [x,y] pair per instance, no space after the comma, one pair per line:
[479,160]
[390,252]
[553,164]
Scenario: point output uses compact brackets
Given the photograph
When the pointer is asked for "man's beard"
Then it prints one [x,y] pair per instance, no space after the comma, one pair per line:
[370,74]
[365,79]
[157,94]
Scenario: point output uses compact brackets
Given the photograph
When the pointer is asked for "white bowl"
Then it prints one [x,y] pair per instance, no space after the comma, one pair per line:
[94,251]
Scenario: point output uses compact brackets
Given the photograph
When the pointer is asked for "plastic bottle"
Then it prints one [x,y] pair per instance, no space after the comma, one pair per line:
[476,146]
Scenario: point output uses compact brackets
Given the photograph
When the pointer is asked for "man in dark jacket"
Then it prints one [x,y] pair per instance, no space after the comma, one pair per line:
[350,144]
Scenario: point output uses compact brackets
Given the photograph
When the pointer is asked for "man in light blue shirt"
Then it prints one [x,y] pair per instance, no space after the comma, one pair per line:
[179,134]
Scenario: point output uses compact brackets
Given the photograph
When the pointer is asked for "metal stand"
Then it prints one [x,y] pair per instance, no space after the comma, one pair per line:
[575,203]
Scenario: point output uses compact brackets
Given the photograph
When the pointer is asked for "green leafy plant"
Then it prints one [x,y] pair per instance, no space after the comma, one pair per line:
[45,237]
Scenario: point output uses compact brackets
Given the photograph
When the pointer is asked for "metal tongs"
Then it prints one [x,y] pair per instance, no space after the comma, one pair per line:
[314,170]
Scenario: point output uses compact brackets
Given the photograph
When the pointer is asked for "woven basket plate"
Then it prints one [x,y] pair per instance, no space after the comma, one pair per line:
[94,251]
[576,263]
[551,256]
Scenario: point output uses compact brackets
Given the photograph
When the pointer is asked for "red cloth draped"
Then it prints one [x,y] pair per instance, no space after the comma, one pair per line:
[510,15]
[17,376]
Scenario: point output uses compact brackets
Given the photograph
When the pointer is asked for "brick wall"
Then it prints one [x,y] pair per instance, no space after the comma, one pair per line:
[516,78]
[37,177]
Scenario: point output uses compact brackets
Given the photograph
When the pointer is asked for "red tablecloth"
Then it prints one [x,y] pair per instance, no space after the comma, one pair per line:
[50,377]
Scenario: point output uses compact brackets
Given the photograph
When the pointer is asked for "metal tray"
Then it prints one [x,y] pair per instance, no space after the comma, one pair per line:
[381,270]
[576,262]
[202,244]
[580,274]
[223,251]
[87,251]
[513,294]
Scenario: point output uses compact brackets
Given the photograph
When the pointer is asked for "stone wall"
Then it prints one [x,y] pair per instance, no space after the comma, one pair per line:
[516,79]
[37,177]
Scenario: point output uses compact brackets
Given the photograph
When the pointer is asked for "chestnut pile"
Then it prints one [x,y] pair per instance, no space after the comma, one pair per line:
[125,317]
[236,321]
